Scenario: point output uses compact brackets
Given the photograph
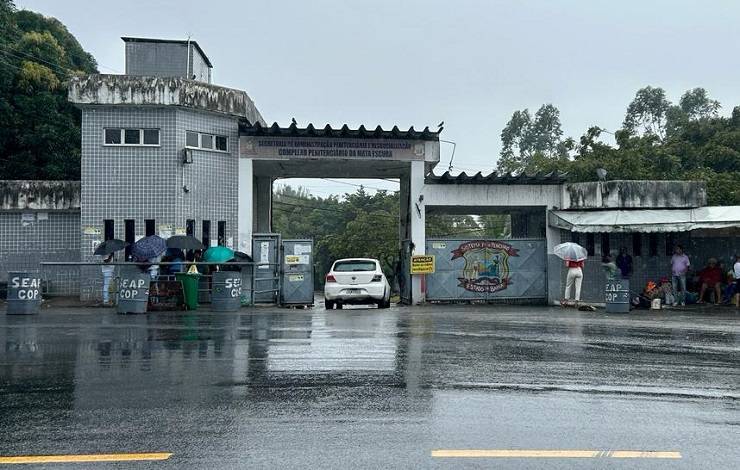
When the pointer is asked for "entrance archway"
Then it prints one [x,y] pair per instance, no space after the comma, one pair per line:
[267,153]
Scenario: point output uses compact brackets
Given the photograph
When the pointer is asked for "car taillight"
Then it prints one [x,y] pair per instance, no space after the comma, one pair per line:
[377,278]
[330,278]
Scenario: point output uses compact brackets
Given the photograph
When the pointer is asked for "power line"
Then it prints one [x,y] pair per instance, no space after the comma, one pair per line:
[298,198]
[364,186]
[464,168]
[24,56]
[59,67]
[479,231]
[355,184]
[328,209]
[9,64]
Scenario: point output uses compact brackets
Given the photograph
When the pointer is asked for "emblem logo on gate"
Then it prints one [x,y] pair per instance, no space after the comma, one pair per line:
[486,265]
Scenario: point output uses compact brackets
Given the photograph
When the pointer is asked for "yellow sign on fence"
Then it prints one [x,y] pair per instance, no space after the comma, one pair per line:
[422,264]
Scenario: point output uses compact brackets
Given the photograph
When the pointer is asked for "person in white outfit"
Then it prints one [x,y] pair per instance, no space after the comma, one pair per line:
[107,270]
[574,278]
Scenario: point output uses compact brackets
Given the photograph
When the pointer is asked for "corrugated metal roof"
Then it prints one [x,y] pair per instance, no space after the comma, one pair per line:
[647,220]
[496,178]
[256,129]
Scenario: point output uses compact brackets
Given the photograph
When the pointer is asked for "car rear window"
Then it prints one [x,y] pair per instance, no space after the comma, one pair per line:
[351,266]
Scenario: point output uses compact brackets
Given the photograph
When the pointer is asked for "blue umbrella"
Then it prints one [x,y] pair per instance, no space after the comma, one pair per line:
[148,247]
[218,254]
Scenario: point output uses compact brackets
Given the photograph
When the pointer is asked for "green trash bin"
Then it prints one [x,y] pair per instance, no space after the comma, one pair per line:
[189,288]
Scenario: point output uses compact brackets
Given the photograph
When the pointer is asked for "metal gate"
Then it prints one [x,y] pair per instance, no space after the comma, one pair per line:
[297,272]
[266,280]
[487,269]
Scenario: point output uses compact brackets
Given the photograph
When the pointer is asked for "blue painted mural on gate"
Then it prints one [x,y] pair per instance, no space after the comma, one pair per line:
[486,265]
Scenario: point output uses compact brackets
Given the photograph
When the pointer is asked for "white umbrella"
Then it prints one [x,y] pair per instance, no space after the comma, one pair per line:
[570,251]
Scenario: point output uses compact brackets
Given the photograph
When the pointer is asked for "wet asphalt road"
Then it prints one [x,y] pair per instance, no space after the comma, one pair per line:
[367,388]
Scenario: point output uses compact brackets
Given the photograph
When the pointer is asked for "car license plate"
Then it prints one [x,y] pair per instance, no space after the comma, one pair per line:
[353,291]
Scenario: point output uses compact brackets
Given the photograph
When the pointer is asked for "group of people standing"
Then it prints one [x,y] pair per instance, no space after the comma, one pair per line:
[712,280]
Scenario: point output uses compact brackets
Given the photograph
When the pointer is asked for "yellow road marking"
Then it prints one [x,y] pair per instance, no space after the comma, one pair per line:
[562,454]
[85,458]
[514,453]
[636,454]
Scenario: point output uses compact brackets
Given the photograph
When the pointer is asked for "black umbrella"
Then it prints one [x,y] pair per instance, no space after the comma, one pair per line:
[184,242]
[239,257]
[110,246]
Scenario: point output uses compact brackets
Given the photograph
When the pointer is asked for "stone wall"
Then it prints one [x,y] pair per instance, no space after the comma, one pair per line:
[39,221]
[621,194]
[39,195]
[105,89]
[28,238]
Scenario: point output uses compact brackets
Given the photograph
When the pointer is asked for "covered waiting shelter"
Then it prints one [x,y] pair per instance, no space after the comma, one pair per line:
[647,220]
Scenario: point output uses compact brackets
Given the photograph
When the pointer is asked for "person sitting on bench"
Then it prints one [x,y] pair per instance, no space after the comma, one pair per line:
[711,279]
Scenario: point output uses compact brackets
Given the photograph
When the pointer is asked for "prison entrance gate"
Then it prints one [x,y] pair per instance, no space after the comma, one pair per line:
[487,270]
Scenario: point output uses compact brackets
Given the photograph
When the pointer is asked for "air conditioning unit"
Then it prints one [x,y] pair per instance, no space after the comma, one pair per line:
[187,156]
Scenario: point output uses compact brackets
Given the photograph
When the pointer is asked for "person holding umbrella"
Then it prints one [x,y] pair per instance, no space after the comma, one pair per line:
[574,255]
[149,250]
[107,249]
[176,257]
[107,268]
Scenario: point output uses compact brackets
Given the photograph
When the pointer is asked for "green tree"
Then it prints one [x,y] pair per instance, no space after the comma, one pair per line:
[528,142]
[697,104]
[646,114]
[447,225]
[495,225]
[39,129]
[368,235]
[359,224]
[661,141]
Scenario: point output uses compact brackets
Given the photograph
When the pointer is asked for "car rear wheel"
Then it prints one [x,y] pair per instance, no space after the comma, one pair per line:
[329,304]
[383,303]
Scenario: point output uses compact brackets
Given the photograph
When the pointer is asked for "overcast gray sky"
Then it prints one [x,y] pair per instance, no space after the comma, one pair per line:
[469,63]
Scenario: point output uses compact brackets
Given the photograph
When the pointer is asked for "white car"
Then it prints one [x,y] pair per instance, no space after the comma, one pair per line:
[356,281]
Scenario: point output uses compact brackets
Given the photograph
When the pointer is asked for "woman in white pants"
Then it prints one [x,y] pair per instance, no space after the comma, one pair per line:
[107,270]
[575,276]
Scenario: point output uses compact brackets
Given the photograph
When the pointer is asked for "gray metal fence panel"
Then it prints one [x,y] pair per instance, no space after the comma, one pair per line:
[85,280]
[265,252]
[64,280]
[297,272]
[487,269]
